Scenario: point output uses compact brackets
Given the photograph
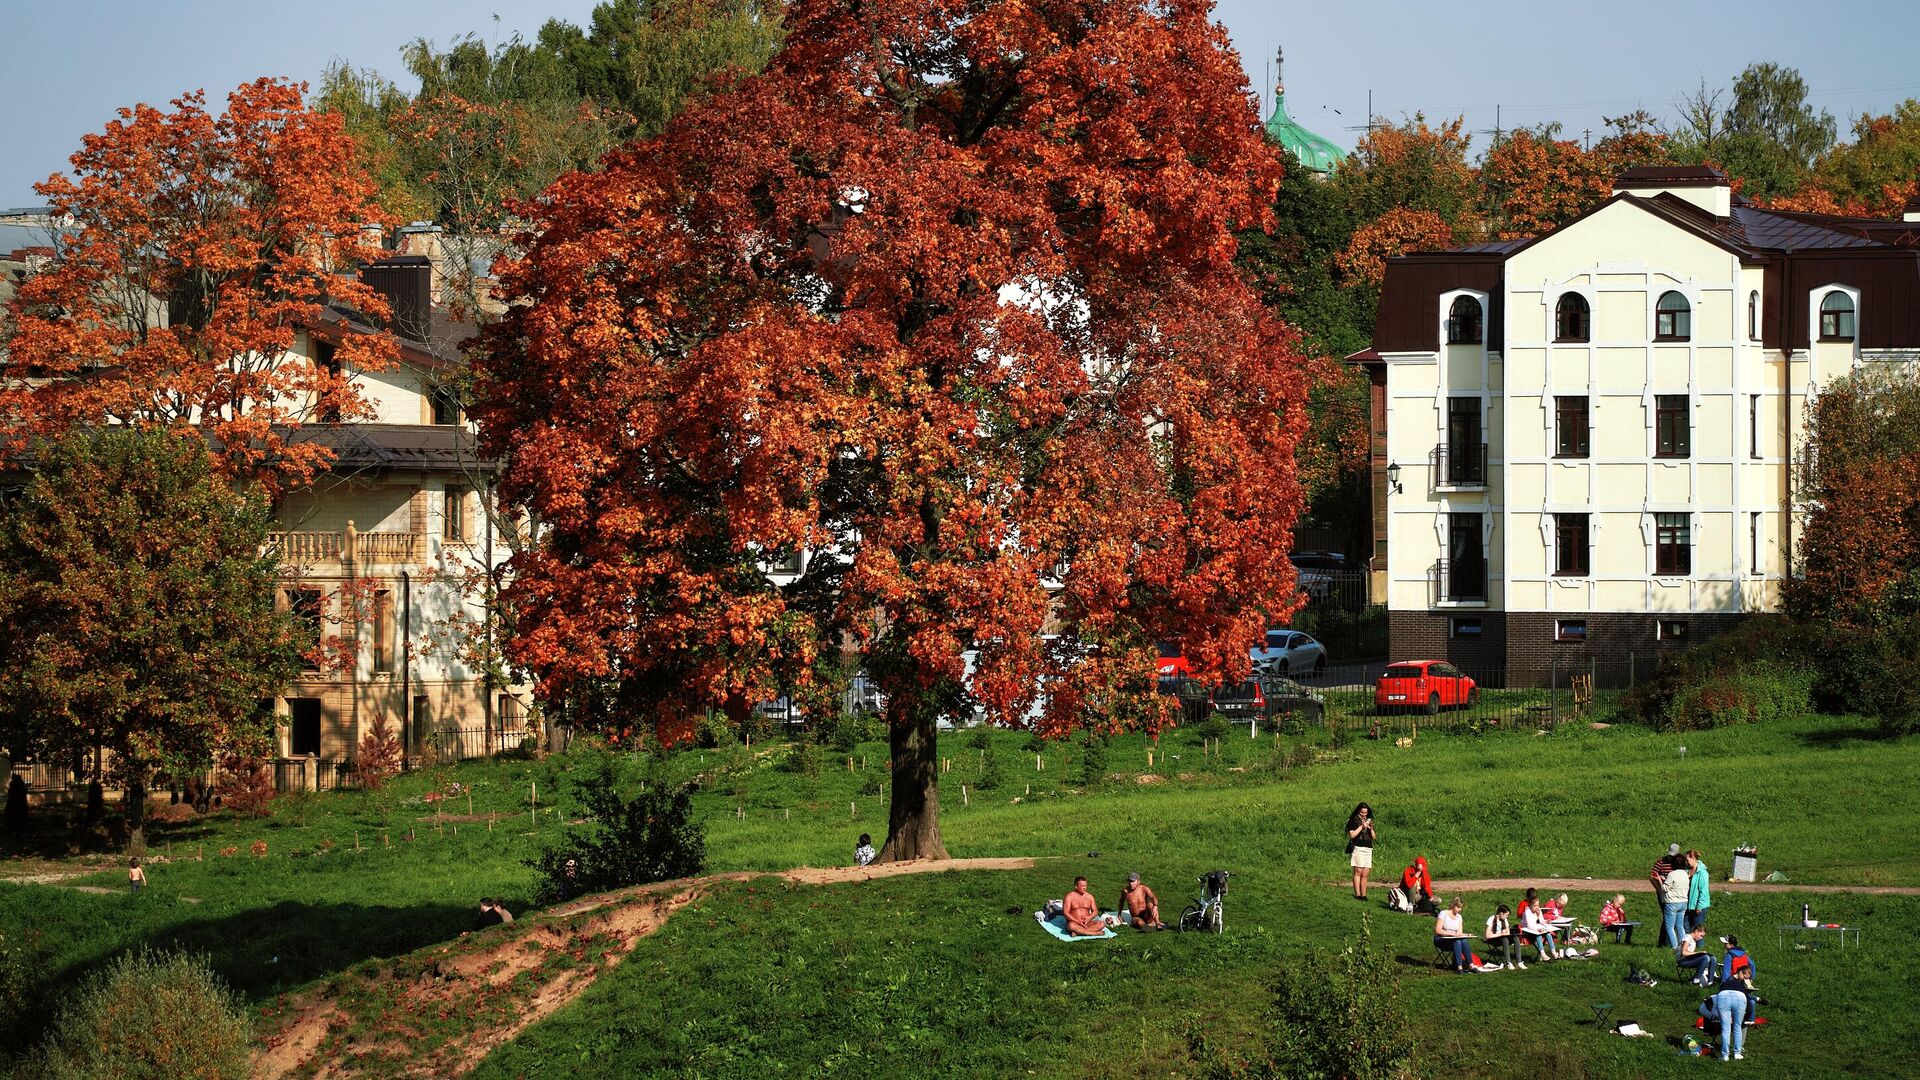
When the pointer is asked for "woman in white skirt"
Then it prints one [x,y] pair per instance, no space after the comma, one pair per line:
[1360,848]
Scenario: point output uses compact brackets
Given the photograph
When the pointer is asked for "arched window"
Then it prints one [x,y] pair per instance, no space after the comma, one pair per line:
[1753,315]
[1836,317]
[1572,319]
[1672,318]
[1464,322]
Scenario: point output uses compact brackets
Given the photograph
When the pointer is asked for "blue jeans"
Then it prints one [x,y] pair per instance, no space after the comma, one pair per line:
[1696,918]
[1701,962]
[1672,916]
[1458,947]
[1732,1006]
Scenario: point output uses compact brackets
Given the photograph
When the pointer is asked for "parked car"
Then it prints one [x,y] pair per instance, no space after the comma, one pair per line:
[1286,698]
[1172,667]
[1317,570]
[1241,701]
[1430,685]
[1290,652]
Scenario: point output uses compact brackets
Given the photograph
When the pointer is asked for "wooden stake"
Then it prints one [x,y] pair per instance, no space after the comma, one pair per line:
[849,763]
[533,804]
[385,840]
[469,802]
[964,801]
[356,839]
[201,854]
[853,811]
[786,815]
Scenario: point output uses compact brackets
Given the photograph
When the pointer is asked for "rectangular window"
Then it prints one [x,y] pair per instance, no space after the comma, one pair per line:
[1753,427]
[304,726]
[1570,545]
[307,606]
[1574,630]
[1463,628]
[1466,459]
[383,632]
[1672,630]
[446,405]
[1672,430]
[453,518]
[1570,426]
[1466,562]
[1672,544]
[327,360]
[1754,530]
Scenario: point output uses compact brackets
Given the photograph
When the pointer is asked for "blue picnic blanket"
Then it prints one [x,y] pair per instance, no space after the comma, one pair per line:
[1057,926]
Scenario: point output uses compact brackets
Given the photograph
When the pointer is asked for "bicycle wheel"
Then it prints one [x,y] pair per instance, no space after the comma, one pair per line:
[1190,919]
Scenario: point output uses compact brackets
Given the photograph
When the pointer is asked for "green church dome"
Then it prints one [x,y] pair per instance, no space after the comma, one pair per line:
[1316,154]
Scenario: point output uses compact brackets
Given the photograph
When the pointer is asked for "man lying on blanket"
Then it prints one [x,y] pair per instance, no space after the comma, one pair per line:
[1082,911]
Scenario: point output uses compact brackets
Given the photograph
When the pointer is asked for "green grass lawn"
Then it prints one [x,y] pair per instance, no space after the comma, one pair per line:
[929,976]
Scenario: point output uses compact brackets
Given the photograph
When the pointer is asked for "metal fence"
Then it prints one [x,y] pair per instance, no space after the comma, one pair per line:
[1476,699]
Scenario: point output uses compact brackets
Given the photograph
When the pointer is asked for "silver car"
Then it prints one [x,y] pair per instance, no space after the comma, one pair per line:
[1290,652]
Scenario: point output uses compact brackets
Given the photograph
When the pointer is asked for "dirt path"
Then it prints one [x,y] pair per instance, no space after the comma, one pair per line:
[1622,885]
[503,981]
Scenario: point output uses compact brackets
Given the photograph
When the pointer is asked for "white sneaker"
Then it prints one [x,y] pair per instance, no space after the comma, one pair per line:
[1521,964]
[1739,1055]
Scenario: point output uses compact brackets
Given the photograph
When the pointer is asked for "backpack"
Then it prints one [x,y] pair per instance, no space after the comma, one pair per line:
[1398,900]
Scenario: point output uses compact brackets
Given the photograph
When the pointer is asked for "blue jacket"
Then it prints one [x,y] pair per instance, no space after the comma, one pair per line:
[1699,898]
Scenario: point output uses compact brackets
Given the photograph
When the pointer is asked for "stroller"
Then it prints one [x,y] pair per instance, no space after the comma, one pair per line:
[1208,911]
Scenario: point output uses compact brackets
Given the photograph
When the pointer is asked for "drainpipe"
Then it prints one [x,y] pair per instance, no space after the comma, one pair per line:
[486,673]
[406,669]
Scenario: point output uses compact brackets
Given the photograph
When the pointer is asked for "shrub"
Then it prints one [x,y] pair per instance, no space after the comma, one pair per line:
[712,732]
[980,738]
[627,839]
[1755,673]
[1214,726]
[1332,1016]
[993,771]
[379,755]
[1093,760]
[17,998]
[148,1015]
[1035,744]
[803,758]
[1873,673]
[846,731]
[246,785]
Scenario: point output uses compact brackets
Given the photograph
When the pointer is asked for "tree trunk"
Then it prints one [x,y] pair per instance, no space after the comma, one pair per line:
[134,801]
[913,818]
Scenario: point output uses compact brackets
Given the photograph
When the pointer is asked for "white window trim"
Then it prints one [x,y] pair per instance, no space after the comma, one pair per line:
[1815,298]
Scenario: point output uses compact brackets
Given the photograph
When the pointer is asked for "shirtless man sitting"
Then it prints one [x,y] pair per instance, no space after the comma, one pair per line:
[1082,911]
[1141,904]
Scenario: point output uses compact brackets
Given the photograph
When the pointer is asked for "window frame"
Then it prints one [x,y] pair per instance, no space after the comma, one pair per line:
[1753,315]
[1753,427]
[1672,426]
[1570,631]
[1458,334]
[1583,331]
[1661,633]
[1756,530]
[1563,414]
[383,632]
[453,514]
[1831,331]
[1572,536]
[1465,626]
[1672,544]
[1673,323]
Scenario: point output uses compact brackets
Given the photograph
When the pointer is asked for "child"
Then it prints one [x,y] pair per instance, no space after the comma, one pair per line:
[1550,908]
[1613,911]
[136,877]
[1500,932]
[863,852]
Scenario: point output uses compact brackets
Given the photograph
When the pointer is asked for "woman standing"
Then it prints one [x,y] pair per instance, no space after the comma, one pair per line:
[1360,838]
[1699,891]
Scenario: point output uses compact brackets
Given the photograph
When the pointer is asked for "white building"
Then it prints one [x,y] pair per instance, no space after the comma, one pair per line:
[1591,433]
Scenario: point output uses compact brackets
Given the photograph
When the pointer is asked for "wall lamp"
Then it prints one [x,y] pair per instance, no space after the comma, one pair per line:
[1393,477]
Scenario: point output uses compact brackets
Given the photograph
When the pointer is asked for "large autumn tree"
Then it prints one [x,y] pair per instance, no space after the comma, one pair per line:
[192,249]
[946,300]
[137,612]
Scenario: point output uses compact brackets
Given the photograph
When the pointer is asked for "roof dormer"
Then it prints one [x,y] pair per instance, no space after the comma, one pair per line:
[1702,185]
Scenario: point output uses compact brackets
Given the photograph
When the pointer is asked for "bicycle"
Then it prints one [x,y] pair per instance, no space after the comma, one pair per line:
[1208,911]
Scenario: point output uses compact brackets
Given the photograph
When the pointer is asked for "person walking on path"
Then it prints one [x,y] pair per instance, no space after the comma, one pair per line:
[1360,837]
[1699,892]
[1663,866]
[1673,904]
[136,877]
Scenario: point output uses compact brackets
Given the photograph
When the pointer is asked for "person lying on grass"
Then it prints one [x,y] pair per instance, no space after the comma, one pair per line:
[1141,905]
[1082,911]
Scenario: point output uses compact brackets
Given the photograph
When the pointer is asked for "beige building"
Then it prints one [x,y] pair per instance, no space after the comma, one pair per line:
[1584,441]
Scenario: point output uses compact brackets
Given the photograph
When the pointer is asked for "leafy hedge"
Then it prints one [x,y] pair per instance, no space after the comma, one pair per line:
[147,1015]
[1757,673]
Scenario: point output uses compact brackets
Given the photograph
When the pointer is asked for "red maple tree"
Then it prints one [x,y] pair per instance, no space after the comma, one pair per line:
[189,250]
[944,300]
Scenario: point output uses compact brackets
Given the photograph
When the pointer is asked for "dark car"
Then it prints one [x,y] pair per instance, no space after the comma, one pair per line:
[1288,699]
[1241,701]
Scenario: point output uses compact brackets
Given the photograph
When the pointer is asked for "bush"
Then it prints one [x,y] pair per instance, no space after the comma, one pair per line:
[627,840]
[993,771]
[1755,673]
[803,758]
[980,738]
[870,783]
[1873,673]
[1332,1016]
[17,997]
[379,754]
[1093,760]
[246,785]
[148,1014]
[846,731]
[1214,726]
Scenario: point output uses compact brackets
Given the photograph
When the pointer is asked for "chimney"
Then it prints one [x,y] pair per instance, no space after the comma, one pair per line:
[373,234]
[1702,185]
[423,238]
[1912,212]
[407,283]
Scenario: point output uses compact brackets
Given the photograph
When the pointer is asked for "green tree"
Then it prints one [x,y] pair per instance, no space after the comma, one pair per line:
[137,611]
[1764,132]
[648,58]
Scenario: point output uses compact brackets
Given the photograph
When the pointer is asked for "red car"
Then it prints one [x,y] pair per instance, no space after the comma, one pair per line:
[1430,685]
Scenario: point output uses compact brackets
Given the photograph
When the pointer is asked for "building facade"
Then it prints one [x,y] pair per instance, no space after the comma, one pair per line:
[1585,442]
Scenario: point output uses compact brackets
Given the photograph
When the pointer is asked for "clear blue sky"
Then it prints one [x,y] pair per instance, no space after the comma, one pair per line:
[70,65]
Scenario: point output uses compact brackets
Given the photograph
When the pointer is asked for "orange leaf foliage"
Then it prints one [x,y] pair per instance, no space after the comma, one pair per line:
[946,297]
[1395,232]
[195,245]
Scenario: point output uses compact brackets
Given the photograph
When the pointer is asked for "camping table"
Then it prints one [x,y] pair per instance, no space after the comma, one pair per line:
[1799,929]
[1620,930]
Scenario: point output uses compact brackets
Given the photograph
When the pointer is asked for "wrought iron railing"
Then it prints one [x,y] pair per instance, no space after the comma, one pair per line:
[1458,465]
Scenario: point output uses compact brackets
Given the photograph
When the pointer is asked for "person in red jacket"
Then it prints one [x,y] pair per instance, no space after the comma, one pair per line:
[1418,883]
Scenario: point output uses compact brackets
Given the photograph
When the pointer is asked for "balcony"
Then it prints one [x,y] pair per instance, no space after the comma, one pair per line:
[1458,466]
[1459,581]
[348,545]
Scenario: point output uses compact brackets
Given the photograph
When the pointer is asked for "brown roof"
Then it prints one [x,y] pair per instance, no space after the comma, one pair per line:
[422,447]
[1670,175]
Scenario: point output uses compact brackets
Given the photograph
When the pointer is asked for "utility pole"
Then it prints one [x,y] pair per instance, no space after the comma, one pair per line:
[1588,134]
